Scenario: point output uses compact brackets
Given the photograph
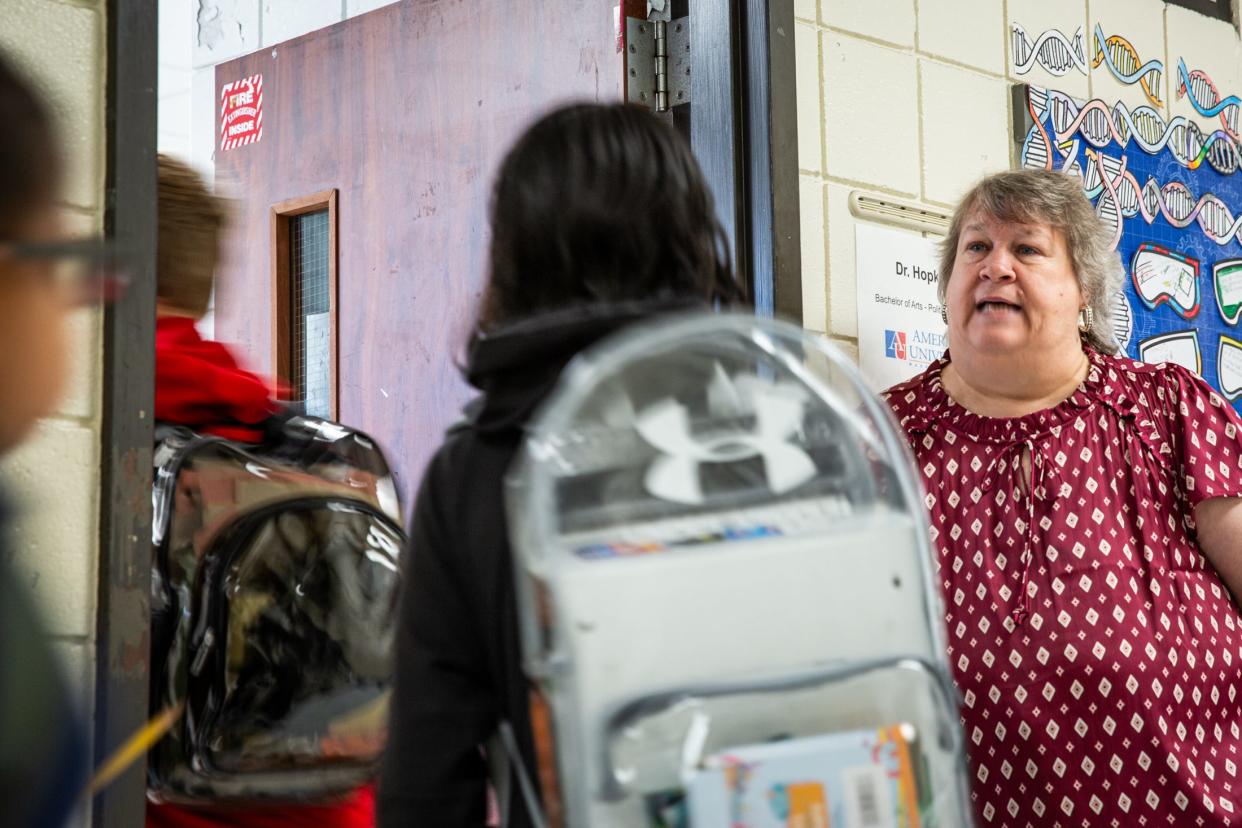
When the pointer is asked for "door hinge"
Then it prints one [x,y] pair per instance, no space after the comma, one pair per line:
[657,62]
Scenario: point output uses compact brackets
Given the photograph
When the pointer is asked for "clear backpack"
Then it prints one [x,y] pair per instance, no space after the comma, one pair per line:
[274,586]
[726,593]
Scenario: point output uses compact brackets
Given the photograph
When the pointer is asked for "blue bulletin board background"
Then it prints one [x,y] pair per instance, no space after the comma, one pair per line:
[1155,182]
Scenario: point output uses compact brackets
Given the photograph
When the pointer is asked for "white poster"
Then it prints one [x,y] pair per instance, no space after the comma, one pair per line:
[318,364]
[899,327]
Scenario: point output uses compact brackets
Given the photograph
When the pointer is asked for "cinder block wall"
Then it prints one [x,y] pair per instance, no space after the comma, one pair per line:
[910,98]
[54,479]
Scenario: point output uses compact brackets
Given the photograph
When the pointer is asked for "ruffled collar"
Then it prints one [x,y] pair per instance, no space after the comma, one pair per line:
[935,405]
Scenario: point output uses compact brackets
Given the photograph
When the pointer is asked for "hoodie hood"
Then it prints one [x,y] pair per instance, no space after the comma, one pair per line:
[516,367]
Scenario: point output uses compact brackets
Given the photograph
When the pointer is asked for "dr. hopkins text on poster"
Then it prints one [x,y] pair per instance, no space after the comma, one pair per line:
[899,327]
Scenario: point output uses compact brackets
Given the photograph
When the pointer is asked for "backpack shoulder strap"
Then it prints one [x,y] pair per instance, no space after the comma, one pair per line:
[524,783]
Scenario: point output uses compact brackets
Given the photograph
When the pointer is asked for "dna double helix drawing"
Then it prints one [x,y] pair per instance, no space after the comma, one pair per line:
[1205,97]
[1123,61]
[1053,51]
[1101,125]
[1120,196]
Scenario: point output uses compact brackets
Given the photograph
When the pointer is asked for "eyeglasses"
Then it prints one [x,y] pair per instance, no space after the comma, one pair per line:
[87,270]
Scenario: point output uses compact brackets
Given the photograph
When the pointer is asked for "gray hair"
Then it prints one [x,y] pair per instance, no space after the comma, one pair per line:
[1057,200]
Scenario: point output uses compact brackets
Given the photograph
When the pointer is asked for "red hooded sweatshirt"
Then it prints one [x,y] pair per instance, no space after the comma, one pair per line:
[199,384]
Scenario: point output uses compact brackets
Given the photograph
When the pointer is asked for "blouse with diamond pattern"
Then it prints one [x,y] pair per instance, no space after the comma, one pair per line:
[1098,653]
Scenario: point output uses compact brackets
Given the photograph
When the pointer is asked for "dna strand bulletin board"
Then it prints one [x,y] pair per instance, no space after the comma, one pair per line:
[1172,194]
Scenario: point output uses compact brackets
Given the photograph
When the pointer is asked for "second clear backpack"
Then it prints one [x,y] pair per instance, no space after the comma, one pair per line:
[274,578]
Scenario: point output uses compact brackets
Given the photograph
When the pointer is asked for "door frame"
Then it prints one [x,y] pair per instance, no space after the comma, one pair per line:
[282,312]
[122,616]
[744,132]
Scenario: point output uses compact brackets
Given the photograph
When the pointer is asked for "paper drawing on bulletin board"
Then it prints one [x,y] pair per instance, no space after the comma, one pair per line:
[1053,51]
[1172,193]
[1123,61]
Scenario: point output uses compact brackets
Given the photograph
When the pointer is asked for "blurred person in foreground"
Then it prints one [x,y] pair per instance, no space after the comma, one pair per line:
[600,218]
[199,384]
[43,759]
[1086,515]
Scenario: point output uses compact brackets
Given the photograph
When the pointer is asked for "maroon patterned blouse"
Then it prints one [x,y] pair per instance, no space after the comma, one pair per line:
[1098,653]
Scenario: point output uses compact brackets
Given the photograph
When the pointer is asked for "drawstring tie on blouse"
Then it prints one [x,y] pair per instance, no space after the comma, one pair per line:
[1013,453]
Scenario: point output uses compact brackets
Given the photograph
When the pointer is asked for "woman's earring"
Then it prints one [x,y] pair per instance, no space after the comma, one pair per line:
[944,314]
[1086,317]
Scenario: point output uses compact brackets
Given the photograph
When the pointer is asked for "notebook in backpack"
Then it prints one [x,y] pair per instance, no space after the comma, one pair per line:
[274,586]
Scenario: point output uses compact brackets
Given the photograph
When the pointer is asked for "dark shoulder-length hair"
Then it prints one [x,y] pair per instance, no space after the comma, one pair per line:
[29,163]
[596,204]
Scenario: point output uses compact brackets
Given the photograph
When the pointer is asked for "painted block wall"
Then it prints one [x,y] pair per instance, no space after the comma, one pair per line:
[911,99]
[53,480]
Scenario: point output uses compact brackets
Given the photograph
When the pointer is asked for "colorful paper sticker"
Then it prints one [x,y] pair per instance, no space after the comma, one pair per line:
[1229,367]
[1206,98]
[1123,61]
[1227,282]
[1179,347]
[241,112]
[1102,125]
[1162,276]
[858,779]
[1108,178]
[799,803]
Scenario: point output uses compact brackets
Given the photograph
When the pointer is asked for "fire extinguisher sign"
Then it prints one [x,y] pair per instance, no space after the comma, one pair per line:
[241,112]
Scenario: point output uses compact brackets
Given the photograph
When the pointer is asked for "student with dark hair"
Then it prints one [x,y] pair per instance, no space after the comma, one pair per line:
[42,750]
[600,217]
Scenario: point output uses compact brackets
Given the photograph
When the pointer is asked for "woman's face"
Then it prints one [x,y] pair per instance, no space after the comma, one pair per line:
[1012,289]
[34,312]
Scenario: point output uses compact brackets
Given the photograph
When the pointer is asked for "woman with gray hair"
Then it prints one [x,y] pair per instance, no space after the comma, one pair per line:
[1086,514]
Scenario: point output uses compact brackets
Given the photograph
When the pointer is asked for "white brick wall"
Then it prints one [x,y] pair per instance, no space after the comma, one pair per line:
[177,20]
[223,29]
[814,281]
[61,44]
[874,89]
[912,98]
[357,7]
[965,128]
[890,21]
[1205,44]
[286,19]
[940,32]
[54,478]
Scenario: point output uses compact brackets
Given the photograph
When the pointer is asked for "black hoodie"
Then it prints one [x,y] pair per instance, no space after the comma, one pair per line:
[458,672]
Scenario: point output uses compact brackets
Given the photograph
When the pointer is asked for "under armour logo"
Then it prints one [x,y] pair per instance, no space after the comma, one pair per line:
[675,475]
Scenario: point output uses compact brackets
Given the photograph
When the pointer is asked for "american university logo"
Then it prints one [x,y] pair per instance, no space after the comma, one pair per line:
[778,415]
[895,344]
